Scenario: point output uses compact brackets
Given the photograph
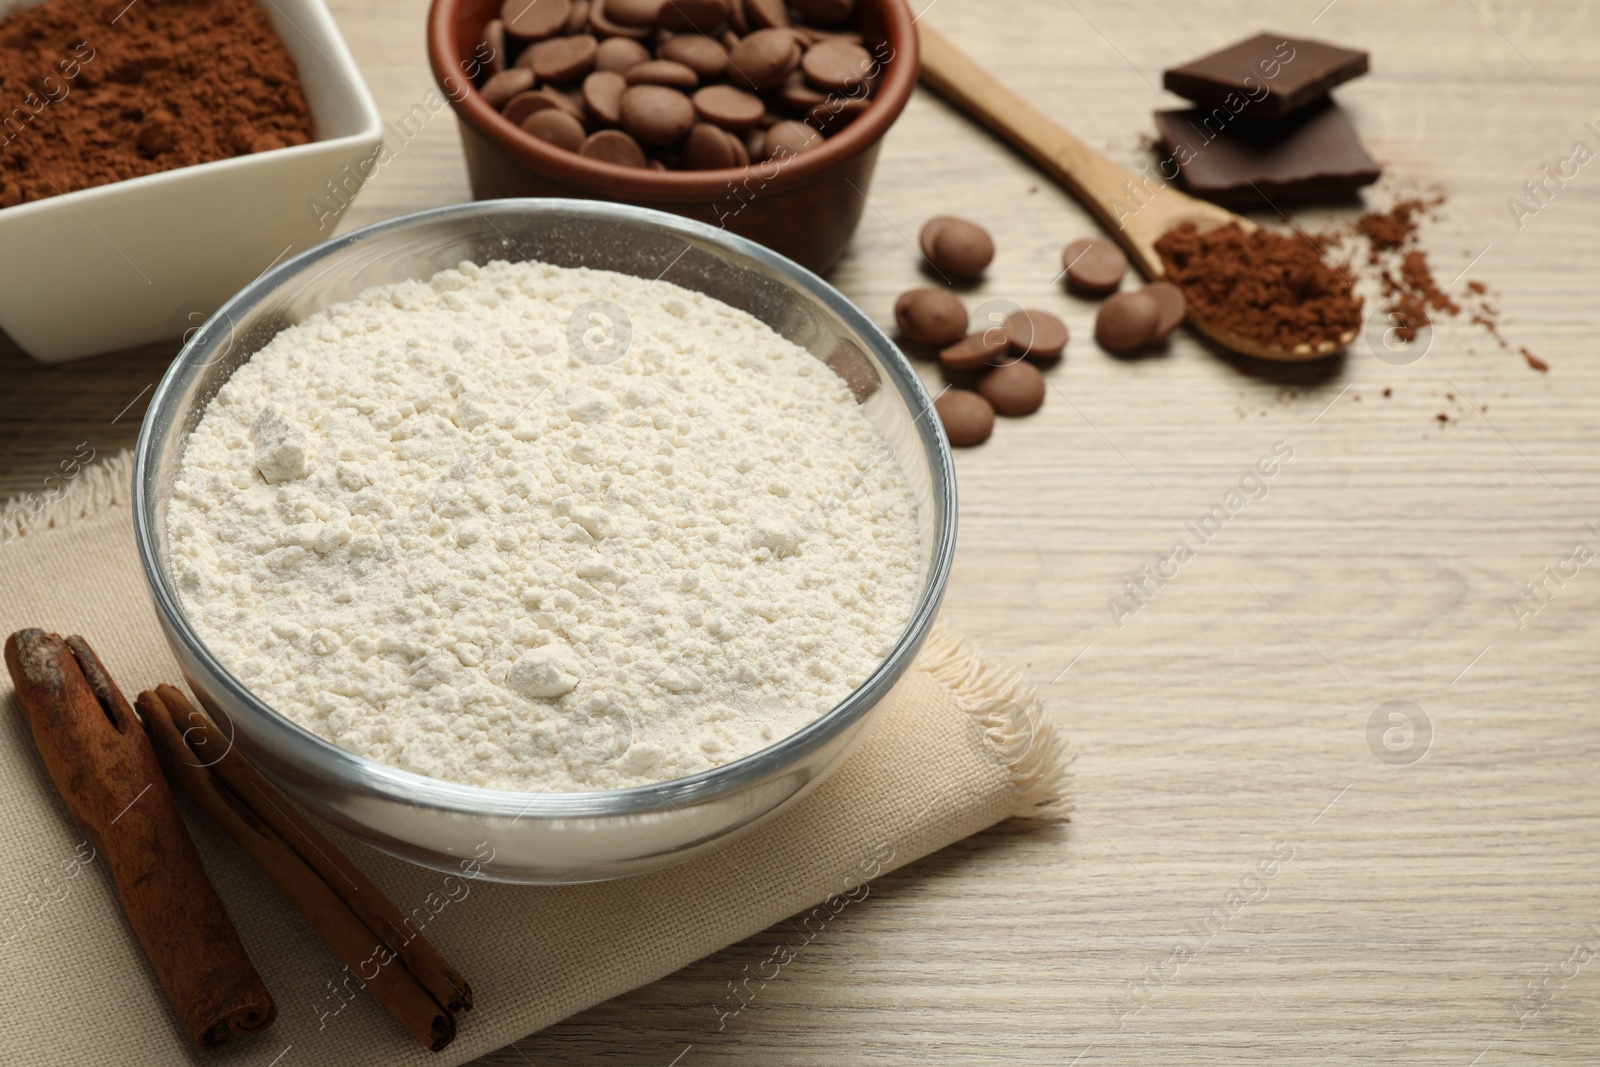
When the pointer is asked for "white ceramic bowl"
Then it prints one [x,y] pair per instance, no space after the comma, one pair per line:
[140,260]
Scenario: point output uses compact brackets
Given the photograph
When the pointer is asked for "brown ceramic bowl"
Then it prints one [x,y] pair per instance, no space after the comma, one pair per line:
[806,208]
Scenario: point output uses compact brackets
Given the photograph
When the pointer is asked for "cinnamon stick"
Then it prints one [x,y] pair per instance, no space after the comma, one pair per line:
[376,910]
[102,765]
[362,926]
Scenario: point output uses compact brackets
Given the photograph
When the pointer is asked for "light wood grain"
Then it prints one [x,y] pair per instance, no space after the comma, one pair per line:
[1230,714]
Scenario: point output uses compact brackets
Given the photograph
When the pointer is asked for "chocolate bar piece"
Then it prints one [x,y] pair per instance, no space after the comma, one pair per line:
[1274,74]
[1313,153]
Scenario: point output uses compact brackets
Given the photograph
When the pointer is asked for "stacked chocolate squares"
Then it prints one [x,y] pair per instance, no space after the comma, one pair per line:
[1265,128]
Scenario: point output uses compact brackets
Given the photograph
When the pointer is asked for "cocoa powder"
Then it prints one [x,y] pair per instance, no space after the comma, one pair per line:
[1389,231]
[1409,291]
[1411,296]
[1269,288]
[98,91]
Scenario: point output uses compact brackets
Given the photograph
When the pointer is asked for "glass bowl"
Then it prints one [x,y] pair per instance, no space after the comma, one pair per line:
[527,836]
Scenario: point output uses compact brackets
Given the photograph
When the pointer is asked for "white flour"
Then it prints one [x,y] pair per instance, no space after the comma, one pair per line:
[419,525]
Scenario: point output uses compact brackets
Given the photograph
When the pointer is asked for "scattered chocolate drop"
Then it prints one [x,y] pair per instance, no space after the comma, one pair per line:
[957,247]
[968,418]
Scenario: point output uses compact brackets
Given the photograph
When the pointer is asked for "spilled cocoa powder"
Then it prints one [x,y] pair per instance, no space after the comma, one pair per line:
[1411,295]
[1268,288]
[1410,292]
[98,91]
[1389,231]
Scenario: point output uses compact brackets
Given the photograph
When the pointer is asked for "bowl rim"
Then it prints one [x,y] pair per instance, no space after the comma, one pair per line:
[901,72]
[331,44]
[327,762]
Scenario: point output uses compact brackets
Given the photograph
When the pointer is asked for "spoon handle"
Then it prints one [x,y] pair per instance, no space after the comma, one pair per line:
[1117,197]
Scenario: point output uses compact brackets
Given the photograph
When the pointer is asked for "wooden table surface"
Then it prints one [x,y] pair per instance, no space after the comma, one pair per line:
[1246,880]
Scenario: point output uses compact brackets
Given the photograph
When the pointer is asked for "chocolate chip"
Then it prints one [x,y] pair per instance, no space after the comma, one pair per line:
[561,59]
[557,127]
[837,66]
[957,247]
[825,12]
[1035,335]
[508,83]
[737,21]
[1015,389]
[764,59]
[534,20]
[705,57]
[613,146]
[974,351]
[766,14]
[1127,321]
[728,107]
[519,107]
[788,138]
[656,115]
[836,112]
[494,39]
[755,143]
[602,95]
[1171,305]
[798,93]
[701,15]
[931,317]
[539,99]
[568,100]
[709,148]
[967,417]
[606,26]
[634,12]
[1094,265]
[663,72]
[620,54]
[579,17]
[818,36]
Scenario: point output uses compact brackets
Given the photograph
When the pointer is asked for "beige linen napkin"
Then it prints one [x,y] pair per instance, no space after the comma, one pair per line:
[960,745]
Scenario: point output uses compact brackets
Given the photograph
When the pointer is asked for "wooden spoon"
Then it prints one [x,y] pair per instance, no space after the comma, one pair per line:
[1098,183]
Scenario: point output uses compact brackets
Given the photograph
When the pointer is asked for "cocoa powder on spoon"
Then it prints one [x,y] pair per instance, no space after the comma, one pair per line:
[1270,288]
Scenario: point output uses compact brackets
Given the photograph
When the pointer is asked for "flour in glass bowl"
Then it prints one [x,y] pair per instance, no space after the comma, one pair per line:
[423,526]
